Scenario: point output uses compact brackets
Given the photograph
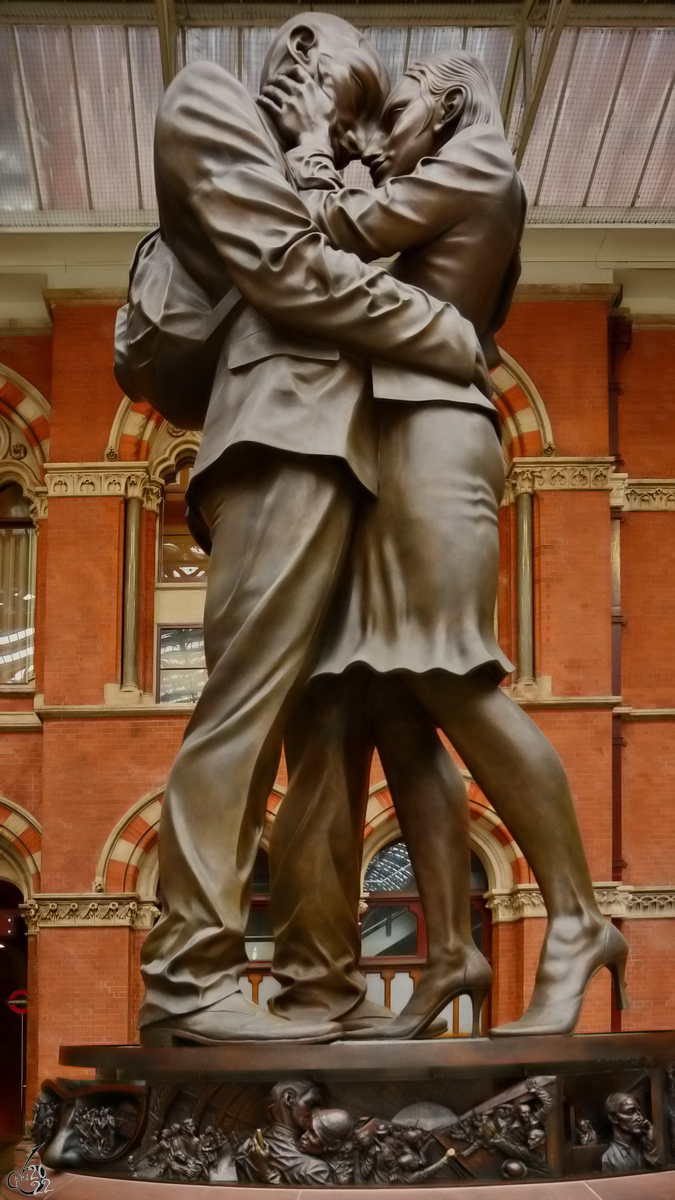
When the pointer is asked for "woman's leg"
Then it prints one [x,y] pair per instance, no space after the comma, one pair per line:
[431,803]
[520,773]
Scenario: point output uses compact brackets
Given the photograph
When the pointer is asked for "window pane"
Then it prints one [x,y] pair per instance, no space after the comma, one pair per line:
[182,560]
[390,870]
[259,939]
[389,931]
[182,669]
[17,604]
[102,77]
[479,879]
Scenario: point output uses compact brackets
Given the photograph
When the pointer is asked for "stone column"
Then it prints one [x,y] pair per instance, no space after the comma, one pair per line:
[132,559]
[525,656]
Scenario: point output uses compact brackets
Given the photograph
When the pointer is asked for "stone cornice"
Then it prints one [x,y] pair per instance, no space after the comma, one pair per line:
[86,480]
[19,722]
[599,293]
[619,900]
[89,910]
[103,712]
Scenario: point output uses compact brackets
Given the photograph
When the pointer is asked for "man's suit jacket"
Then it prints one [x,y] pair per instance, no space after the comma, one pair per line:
[230,214]
[456,223]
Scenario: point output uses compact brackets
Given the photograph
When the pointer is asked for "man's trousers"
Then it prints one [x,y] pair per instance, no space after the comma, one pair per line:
[280,526]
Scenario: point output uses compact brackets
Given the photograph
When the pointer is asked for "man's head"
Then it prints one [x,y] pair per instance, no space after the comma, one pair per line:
[625,1116]
[293,1103]
[434,100]
[345,66]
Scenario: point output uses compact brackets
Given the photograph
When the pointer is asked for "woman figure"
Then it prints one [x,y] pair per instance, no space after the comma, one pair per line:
[417,607]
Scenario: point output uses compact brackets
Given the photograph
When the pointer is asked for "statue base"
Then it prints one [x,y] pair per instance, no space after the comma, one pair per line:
[469,1116]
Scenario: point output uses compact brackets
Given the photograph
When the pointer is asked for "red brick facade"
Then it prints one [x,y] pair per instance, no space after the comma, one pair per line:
[86,763]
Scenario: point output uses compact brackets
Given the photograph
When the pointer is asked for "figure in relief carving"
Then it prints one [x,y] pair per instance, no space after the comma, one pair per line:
[586,1134]
[632,1147]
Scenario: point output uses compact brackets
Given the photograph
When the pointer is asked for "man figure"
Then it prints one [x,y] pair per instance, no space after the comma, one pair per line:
[289,438]
[632,1147]
[277,1154]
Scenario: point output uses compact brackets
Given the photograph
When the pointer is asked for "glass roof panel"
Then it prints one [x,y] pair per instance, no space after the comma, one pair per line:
[595,74]
[536,153]
[46,58]
[391,45]
[102,72]
[77,110]
[216,44]
[147,88]
[17,179]
[254,46]
[658,184]
[434,39]
[492,46]
[640,102]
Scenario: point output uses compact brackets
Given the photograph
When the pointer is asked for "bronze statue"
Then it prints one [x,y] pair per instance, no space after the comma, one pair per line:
[416,607]
[289,445]
[381,423]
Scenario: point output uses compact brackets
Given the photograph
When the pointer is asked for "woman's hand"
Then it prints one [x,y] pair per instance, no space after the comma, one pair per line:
[302,112]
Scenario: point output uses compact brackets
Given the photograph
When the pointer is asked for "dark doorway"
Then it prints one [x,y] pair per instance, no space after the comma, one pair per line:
[13,958]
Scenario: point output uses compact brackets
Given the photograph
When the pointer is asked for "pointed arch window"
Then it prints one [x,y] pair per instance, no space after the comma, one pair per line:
[17,587]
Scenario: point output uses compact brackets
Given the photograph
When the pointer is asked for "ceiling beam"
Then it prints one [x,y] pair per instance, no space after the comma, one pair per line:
[556,19]
[140,12]
[168,39]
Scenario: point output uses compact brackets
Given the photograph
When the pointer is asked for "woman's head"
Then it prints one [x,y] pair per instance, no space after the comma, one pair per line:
[434,100]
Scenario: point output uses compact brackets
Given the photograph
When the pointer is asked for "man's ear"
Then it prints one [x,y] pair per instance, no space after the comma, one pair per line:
[452,107]
[303,46]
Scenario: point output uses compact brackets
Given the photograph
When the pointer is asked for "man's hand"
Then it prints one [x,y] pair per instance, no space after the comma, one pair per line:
[302,112]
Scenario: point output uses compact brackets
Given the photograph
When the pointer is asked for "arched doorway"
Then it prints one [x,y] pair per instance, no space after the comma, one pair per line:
[13,958]
[393,933]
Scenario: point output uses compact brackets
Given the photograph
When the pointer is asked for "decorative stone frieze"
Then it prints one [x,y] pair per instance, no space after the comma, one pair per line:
[89,910]
[124,479]
[620,900]
[649,495]
[559,475]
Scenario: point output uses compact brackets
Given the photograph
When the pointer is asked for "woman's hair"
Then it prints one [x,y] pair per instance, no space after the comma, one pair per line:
[460,70]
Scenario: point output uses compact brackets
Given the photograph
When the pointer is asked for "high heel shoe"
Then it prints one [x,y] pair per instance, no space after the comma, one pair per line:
[472,978]
[557,1000]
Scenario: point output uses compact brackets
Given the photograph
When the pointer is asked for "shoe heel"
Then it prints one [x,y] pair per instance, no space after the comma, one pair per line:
[478,997]
[618,972]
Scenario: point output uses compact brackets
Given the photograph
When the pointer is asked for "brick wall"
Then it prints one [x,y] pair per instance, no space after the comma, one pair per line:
[80,776]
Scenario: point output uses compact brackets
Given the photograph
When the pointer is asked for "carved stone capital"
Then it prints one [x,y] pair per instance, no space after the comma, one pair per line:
[153,494]
[649,495]
[89,910]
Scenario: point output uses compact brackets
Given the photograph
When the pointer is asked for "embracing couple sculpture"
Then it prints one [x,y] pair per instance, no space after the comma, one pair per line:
[347,488]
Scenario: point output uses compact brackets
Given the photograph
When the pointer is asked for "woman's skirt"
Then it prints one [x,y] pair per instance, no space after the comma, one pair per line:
[420,588]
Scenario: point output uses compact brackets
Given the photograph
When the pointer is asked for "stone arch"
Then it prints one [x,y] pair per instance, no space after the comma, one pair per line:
[526,428]
[502,858]
[27,414]
[129,856]
[20,847]
[140,434]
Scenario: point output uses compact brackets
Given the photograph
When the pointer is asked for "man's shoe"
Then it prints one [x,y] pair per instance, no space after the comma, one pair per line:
[235,1019]
[369,1018]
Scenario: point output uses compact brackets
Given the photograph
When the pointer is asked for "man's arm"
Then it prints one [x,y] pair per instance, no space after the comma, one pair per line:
[219,175]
